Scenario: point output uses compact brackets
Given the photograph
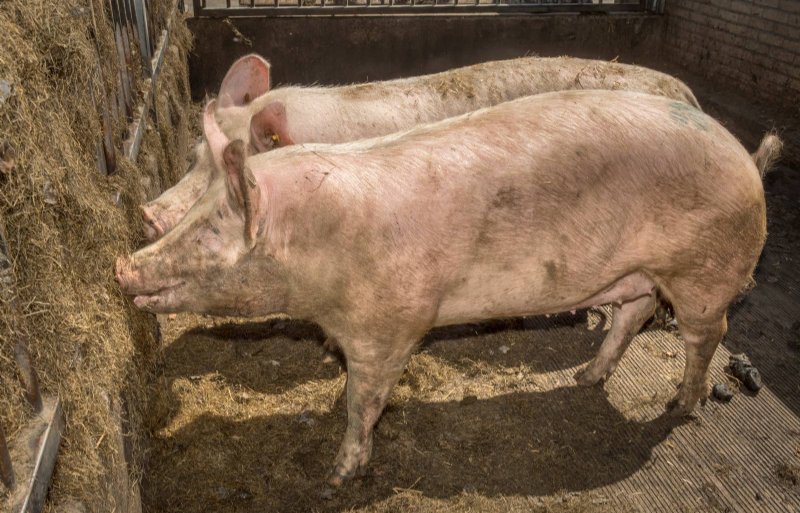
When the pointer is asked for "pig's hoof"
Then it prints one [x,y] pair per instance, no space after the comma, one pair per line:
[585,379]
[681,406]
[592,375]
[339,476]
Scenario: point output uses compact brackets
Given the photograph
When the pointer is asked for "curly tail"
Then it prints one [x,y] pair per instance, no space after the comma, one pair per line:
[767,153]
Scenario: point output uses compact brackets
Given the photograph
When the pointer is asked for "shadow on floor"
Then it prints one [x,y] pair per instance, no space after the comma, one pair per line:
[531,444]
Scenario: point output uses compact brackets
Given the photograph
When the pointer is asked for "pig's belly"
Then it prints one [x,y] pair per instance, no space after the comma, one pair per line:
[488,292]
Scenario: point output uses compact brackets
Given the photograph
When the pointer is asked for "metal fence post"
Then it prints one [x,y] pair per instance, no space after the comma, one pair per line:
[145,51]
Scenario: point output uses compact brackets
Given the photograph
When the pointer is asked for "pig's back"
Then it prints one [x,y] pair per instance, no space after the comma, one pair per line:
[380,108]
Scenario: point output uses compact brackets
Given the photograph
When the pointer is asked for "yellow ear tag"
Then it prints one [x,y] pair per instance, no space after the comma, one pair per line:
[276,138]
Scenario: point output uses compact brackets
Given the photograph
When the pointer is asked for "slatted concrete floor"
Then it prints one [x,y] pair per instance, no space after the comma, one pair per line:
[730,457]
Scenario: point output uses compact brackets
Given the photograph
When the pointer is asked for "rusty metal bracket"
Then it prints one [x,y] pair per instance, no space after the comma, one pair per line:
[35,451]
[6,470]
[28,375]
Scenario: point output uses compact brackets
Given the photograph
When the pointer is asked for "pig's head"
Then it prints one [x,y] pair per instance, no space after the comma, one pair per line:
[247,81]
[215,260]
[164,212]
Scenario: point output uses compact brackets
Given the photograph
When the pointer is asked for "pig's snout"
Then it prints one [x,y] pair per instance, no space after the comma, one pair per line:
[123,273]
[152,227]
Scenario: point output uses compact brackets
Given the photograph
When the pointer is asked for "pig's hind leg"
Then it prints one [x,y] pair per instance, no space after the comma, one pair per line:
[700,341]
[701,300]
[701,336]
[628,318]
[373,369]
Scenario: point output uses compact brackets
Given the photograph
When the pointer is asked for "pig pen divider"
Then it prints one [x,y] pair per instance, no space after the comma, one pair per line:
[255,8]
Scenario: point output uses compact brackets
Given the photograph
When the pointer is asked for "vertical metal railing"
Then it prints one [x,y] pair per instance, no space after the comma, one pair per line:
[27,374]
[137,28]
[145,44]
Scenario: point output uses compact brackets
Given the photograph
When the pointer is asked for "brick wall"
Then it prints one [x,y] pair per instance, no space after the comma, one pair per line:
[753,45]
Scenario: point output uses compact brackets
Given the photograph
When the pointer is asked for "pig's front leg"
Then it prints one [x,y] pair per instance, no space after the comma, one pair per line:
[627,320]
[372,372]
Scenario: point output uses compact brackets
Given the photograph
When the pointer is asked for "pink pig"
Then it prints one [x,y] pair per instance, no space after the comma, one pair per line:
[517,209]
[266,119]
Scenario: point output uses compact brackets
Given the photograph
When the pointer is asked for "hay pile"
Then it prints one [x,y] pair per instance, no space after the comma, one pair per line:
[65,223]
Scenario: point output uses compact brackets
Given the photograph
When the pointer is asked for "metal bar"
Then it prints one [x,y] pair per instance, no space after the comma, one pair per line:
[125,62]
[109,151]
[44,437]
[121,95]
[6,470]
[656,6]
[144,36]
[106,158]
[197,7]
[127,105]
[132,37]
[133,143]
[415,8]
[28,375]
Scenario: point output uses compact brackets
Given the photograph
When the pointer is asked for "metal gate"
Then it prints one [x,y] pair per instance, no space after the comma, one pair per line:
[240,8]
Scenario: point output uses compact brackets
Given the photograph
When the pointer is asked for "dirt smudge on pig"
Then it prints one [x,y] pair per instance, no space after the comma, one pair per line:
[507,197]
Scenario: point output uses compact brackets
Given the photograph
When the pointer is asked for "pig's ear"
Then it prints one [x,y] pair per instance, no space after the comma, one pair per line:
[247,79]
[269,128]
[215,138]
[243,186]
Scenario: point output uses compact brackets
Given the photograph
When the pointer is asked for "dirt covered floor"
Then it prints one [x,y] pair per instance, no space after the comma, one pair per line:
[245,417]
